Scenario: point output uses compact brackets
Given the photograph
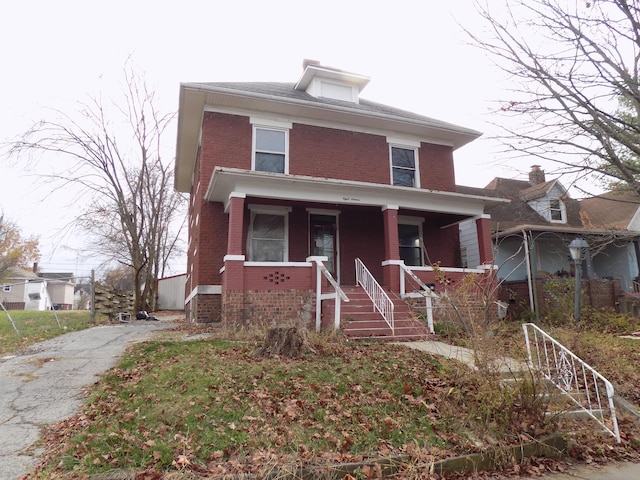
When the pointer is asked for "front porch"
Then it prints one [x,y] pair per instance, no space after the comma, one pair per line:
[277,226]
[306,294]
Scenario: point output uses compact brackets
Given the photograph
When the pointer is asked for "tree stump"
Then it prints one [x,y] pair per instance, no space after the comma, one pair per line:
[289,342]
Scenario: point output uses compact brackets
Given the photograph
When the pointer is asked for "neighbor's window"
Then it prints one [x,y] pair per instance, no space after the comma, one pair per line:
[270,150]
[6,288]
[403,166]
[409,240]
[268,237]
[556,210]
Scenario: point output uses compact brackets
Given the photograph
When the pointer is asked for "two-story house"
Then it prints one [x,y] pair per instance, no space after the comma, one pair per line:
[289,179]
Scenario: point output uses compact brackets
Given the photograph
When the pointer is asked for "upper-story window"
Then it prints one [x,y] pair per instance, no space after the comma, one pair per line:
[557,211]
[404,166]
[6,288]
[270,150]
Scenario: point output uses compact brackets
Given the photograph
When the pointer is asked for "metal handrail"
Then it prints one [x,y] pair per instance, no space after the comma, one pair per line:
[574,377]
[425,291]
[378,296]
[338,293]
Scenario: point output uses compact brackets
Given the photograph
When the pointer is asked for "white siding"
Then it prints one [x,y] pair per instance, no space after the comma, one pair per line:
[469,240]
[171,292]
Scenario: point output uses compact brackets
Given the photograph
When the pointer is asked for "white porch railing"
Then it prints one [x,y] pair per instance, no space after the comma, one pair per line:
[378,296]
[423,291]
[582,384]
[338,294]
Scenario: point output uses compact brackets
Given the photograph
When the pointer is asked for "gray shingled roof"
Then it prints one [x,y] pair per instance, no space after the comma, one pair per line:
[285,90]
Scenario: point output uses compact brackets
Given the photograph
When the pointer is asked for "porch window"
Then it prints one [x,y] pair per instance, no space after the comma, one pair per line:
[403,167]
[409,241]
[270,150]
[268,236]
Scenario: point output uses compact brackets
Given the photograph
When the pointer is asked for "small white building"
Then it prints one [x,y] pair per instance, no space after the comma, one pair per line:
[171,292]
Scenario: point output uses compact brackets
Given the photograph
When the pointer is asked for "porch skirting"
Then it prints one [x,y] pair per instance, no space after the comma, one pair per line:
[268,307]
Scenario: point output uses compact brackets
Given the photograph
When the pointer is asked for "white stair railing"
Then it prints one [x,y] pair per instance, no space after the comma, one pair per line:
[338,294]
[424,291]
[378,296]
[574,377]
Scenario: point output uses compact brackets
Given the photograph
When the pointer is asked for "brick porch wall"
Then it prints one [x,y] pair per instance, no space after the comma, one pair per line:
[597,294]
[204,309]
[269,307]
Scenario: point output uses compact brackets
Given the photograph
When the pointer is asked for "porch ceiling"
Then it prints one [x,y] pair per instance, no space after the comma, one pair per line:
[226,181]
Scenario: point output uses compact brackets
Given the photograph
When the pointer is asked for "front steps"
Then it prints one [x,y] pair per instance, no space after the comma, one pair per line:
[359,319]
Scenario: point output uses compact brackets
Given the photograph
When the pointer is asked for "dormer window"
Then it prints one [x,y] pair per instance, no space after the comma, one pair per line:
[327,82]
[557,210]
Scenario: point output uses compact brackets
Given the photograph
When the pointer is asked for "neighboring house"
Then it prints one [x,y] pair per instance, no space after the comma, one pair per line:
[618,214]
[171,292]
[24,290]
[282,176]
[532,232]
[61,289]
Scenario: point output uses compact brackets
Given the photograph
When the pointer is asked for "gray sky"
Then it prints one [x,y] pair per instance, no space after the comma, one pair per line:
[58,53]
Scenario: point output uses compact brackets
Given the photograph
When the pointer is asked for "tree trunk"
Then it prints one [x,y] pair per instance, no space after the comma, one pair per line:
[289,342]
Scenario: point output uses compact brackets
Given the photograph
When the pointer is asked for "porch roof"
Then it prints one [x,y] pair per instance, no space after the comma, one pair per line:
[565,229]
[227,181]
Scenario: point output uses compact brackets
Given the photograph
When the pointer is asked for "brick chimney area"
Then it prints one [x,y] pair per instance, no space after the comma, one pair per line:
[536,175]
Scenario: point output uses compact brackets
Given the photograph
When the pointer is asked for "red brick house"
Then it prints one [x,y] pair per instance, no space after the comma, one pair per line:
[289,180]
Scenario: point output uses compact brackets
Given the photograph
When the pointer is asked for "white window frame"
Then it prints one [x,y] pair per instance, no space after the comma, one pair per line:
[416,160]
[268,210]
[561,208]
[6,288]
[273,125]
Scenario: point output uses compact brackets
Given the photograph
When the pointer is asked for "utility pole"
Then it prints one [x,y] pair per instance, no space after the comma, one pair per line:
[93,296]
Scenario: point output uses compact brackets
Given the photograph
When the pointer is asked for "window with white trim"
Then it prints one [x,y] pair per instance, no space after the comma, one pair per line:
[270,150]
[404,166]
[557,211]
[268,236]
[6,288]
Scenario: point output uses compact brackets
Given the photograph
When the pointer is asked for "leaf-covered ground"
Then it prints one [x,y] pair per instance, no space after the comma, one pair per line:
[208,408]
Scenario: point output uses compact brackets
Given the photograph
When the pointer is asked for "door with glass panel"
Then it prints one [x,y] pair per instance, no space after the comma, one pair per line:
[323,239]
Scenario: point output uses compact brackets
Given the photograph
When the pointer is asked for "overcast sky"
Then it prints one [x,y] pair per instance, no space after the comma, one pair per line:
[55,54]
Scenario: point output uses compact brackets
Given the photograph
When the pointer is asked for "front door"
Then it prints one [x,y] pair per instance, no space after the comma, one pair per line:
[324,240]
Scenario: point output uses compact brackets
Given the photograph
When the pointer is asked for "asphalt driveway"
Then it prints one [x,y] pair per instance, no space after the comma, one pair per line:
[45,385]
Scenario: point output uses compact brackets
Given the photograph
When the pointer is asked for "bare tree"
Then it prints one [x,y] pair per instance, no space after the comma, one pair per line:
[116,160]
[571,64]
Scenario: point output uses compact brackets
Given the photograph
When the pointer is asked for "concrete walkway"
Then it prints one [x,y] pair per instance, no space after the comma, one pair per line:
[45,385]
[465,355]
[619,471]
